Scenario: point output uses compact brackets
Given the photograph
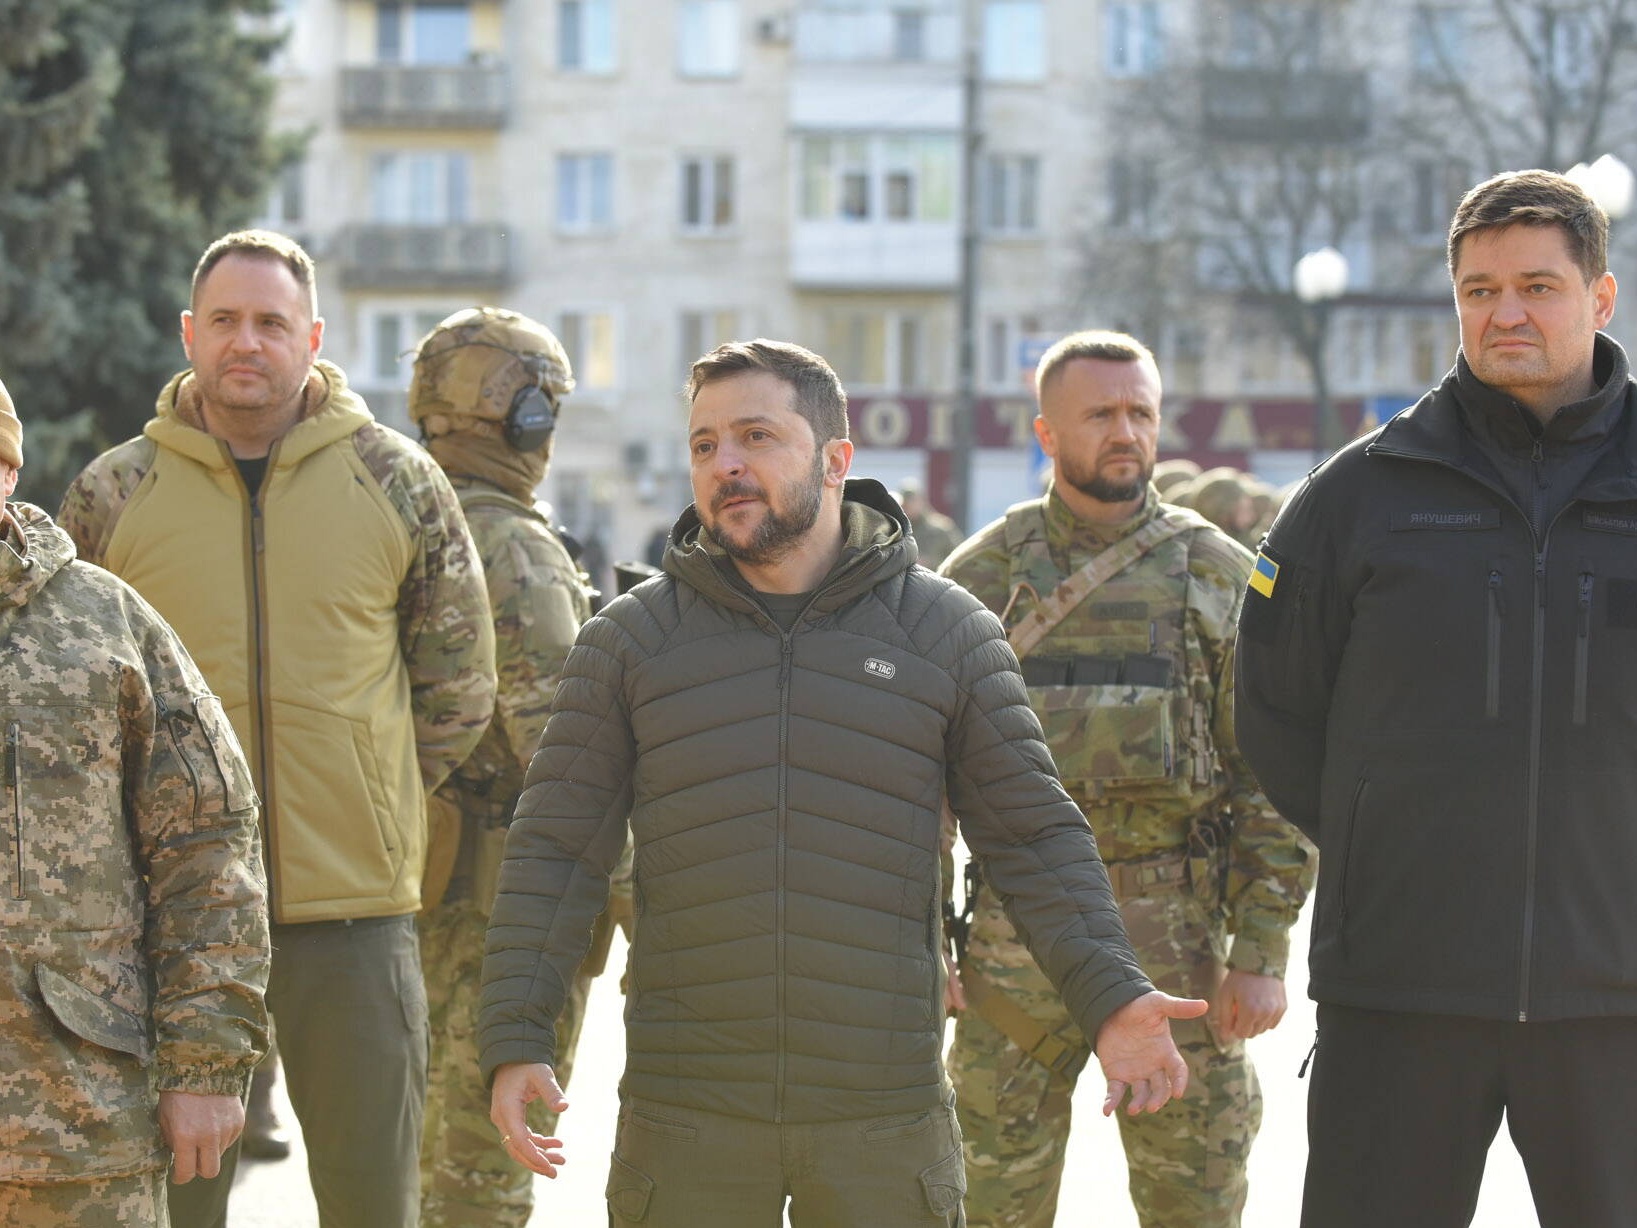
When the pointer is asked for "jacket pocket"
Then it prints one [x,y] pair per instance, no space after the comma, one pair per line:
[1346,867]
[92,1017]
[14,785]
[1582,645]
[209,753]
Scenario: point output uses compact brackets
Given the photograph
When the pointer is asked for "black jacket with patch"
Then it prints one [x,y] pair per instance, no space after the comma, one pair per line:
[1439,685]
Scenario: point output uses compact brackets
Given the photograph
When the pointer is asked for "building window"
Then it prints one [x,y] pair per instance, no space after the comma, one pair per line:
[412,33]
[1014,40]
[286,206]
[585,191]
[585,35]
[1011,194]
[881,350]
[707,194]
[1132,187]
[1437,44]
[393,337]
[708,38]
[701,332]
[891,178]
[1136,45]
[1004,339]
[421,189]
[588,337]
[908,34]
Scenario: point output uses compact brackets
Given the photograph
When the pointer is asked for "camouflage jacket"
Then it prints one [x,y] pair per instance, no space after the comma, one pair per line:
[340,613]
[539,598]
[1135,691]
[133,919]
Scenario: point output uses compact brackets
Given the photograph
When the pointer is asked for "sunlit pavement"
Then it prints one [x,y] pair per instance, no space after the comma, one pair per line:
[276,1195]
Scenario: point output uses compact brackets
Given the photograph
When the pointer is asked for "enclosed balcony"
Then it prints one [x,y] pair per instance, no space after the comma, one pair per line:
[450,256]
[470,95]
[1278,105]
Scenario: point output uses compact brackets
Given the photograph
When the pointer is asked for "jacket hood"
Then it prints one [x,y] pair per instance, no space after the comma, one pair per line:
[32,550]
[877,543]
[333,412]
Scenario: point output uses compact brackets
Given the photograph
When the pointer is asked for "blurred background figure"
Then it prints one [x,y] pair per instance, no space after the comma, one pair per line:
[935,534]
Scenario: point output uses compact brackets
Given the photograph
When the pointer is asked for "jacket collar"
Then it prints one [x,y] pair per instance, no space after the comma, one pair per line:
[333,412]
[1441,425]
[876,545]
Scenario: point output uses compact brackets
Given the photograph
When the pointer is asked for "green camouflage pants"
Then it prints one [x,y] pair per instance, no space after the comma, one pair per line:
[466,1176]
[137,1201]
[1186,1162]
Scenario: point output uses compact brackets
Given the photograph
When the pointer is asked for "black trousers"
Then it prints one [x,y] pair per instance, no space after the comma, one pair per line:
[1403,1108]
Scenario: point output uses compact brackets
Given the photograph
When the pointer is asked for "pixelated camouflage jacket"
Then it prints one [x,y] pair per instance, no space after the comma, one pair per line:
[340,613]
[133,913]
[539,597]
[1135,691]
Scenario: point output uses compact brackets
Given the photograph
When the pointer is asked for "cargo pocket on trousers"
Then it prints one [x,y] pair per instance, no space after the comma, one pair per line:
[628,1190]
[945,1184]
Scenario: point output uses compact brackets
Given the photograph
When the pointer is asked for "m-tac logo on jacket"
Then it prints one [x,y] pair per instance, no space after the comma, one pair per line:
[880,668]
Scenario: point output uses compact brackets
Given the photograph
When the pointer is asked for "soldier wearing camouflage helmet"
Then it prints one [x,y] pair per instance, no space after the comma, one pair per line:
[1122,611]
[133,906]
[319,568]
[487,388]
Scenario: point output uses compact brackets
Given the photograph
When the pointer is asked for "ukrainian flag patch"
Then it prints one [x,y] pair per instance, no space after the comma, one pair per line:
[1264,575]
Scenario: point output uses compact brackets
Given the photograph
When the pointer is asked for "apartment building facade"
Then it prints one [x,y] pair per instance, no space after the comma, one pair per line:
[651,177]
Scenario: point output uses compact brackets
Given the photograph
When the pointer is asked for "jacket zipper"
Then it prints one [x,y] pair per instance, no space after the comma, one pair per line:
[781,844]
[14,761]
[260,703]
[1497,614]
[1582,648]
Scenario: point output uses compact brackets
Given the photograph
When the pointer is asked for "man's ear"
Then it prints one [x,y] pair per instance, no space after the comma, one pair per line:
[838,461]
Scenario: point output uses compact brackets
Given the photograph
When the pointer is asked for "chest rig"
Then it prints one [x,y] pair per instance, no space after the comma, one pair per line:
[1113,668]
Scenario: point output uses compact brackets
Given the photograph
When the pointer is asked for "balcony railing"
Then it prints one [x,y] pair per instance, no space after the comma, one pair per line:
[1279,105]
[424,96]
[455,255]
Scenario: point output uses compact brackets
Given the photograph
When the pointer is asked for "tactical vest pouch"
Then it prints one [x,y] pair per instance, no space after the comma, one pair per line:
[1113,741]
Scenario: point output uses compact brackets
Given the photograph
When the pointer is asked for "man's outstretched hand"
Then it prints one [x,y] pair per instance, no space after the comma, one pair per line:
[516,1085]
[1137,1054]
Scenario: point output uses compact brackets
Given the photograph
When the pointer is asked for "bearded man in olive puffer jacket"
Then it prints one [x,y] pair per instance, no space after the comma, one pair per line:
[779,719]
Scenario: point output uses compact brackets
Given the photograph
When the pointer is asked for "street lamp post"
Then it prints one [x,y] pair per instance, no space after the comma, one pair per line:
[1319,279]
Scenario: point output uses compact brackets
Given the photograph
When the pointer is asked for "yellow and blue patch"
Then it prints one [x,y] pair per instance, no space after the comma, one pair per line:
[1264,575]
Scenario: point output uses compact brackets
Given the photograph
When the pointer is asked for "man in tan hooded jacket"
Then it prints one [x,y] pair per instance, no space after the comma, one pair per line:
[318,567]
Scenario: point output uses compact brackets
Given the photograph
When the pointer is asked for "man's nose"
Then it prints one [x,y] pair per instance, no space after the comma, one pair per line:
[1509,309]
[1123,428]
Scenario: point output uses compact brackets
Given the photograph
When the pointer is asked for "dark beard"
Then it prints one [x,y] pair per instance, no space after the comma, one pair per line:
[1105,490]
[778,531]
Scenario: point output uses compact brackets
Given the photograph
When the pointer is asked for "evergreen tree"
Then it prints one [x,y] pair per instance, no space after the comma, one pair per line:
[132,132]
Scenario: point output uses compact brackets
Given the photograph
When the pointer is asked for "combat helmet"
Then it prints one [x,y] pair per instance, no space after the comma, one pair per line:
[492,371]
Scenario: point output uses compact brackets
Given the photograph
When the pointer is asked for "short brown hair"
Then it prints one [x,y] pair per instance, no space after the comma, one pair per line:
[259,245]
[1090,343]
[819,398]
[1535,198]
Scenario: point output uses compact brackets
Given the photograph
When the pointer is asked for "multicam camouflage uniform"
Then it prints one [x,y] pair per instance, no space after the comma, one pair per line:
[1134,690]
[133,922]
[540,598]
[469,371]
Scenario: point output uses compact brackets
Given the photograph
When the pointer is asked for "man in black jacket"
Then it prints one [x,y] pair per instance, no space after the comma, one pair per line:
[779,718]
[1437,659]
